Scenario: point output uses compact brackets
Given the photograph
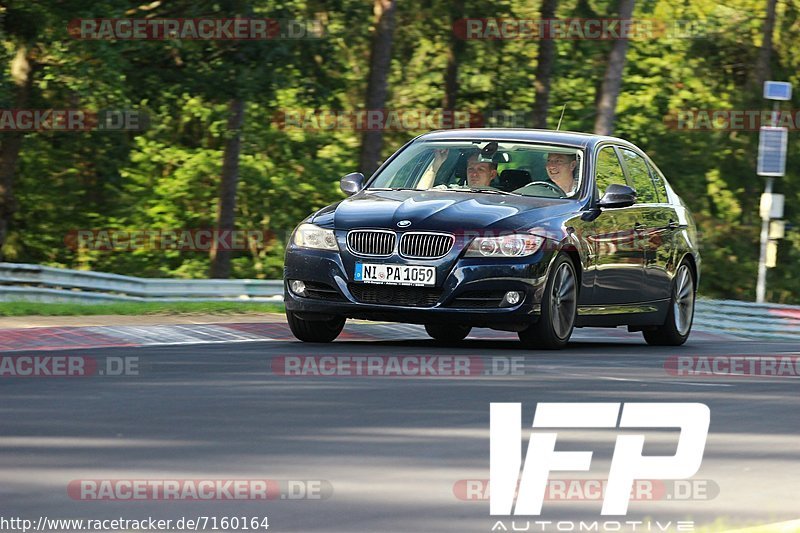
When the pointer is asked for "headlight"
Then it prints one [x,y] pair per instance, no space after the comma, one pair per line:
[311,236]
[516,245]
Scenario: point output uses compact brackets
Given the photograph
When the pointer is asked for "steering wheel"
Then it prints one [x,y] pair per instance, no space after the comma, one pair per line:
[555,188]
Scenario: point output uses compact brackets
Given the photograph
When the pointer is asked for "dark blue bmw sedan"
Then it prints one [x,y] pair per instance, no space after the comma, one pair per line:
[531,231]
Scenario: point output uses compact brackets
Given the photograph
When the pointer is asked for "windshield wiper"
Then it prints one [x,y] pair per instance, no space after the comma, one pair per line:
[489,191]
[460,189]
[394,189]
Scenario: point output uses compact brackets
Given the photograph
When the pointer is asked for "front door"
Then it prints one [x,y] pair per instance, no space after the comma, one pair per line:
[619,257]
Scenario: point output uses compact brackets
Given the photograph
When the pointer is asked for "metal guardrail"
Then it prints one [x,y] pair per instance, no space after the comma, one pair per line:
[749,320]
[24,282]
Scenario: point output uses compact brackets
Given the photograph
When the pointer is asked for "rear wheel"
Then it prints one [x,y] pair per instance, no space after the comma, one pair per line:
[447,333]
[678,325]
[310,330]
[559,308]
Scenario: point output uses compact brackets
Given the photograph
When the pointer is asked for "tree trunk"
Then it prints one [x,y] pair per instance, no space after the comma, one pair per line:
[544,69]
[454,54]
[762,71]
[380,62]
[612,81]
[22,67]
[226,211]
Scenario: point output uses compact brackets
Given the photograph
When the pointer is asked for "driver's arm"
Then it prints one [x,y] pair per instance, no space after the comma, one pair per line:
[429,176]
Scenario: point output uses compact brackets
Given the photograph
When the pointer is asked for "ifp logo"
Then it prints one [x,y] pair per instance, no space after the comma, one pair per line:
[627,464]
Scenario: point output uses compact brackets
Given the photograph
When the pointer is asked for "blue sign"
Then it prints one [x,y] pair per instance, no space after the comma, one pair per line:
[777,90]
[772,143]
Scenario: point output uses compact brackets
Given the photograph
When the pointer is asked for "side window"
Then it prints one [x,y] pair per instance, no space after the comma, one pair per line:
[608,170]
[658,182]
[640,176]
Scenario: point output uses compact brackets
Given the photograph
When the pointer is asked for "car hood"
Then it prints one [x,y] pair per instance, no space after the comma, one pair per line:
[441,210]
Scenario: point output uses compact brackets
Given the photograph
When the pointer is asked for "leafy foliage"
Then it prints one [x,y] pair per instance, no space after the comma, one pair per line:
[167,175]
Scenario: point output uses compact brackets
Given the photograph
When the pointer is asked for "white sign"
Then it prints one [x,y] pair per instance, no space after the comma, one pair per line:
[777,229]
[772,254]
[771,206]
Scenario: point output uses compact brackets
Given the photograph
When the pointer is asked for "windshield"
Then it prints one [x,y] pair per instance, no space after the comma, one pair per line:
[485,166]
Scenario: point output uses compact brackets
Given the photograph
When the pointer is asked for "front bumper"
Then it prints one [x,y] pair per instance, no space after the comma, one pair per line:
[446,303]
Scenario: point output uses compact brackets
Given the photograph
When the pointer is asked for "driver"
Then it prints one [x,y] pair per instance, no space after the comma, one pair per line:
[480,173]
[560,169]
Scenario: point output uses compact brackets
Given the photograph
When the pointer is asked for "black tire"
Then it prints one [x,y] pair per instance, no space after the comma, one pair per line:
[678,325]
[315,330]
[447,333]
[559,308]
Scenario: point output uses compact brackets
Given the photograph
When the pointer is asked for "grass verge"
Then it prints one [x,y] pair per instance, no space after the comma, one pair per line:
[136,308]
[781,527]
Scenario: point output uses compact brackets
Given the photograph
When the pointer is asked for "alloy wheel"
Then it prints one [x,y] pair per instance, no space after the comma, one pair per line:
[683,300]
[563,300]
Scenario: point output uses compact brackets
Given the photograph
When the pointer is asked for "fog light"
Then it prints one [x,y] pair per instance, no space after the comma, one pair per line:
[298,287]
[512,298]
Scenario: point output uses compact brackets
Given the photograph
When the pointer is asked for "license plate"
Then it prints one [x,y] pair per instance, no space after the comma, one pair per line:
[418,276]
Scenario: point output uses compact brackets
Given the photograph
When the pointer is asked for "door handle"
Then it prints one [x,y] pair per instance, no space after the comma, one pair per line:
[638,226]
[673,225]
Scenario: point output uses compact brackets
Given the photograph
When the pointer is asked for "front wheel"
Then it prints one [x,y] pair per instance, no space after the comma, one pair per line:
[314,330]
[559,308]
[678,325]
[447,333]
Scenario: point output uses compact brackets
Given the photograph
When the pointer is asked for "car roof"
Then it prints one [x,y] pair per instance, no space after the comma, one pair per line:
[569,138]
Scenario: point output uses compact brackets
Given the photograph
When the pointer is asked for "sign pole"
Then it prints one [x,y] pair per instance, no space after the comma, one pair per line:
[761,284]
[771,163]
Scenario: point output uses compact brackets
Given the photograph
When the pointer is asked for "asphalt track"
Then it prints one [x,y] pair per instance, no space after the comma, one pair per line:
[393,453]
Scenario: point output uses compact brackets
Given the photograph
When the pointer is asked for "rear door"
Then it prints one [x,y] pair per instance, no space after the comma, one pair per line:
[653,234]
[668,224]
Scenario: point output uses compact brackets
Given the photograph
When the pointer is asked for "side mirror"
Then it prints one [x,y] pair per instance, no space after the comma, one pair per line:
[617,196]
[352,183]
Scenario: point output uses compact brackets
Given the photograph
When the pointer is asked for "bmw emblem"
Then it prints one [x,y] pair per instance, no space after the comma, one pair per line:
[404,224]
